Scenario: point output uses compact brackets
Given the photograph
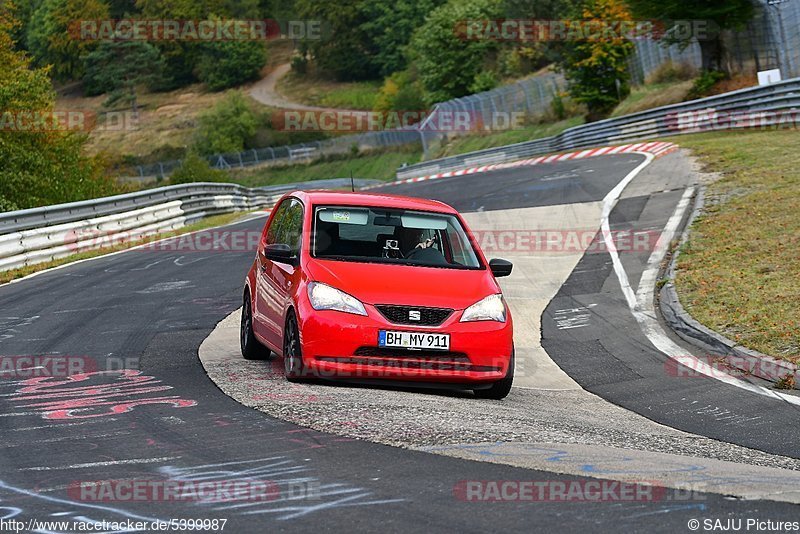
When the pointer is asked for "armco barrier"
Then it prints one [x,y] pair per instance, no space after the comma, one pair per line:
[768,106]
[37,235]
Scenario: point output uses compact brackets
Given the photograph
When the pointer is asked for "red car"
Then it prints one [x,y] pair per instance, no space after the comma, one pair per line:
[376,288]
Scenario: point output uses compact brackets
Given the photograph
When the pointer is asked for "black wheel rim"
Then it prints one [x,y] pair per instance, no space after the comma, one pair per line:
[246,322]
[290,350]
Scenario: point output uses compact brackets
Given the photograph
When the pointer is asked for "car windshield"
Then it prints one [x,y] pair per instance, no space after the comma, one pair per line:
[389,235]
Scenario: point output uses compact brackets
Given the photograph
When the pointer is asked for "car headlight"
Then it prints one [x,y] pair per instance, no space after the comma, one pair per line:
[492,308]
[325,297]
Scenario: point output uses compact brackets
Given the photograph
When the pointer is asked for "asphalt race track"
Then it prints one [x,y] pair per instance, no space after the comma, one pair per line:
[146,409]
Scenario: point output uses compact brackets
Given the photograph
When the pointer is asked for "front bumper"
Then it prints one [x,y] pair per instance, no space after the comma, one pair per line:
[338,345]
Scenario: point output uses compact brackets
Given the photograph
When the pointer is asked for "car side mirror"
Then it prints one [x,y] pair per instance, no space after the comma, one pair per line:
[280,253]
[500,267]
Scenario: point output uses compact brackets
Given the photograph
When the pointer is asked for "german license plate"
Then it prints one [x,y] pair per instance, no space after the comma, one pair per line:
[413,340]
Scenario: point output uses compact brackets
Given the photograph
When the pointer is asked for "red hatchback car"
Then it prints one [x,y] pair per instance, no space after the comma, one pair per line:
[376,288]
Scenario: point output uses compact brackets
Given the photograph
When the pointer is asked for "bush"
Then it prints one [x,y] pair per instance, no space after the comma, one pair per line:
[557,106]
[225,64]
[704,83]
[401,92]
[484,81]
[7,205]
[228,127]
[300,63]
[195,168]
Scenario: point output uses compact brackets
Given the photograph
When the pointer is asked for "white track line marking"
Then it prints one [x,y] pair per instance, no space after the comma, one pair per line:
[642,304]
[103,464]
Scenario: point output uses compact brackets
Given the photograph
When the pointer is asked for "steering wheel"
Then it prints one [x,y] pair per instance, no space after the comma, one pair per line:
[430,254]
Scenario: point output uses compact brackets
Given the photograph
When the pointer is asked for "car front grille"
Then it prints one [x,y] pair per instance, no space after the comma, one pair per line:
[409,314]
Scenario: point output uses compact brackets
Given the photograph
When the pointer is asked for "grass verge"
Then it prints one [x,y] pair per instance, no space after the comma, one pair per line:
[315,91]
[738,272]
[210,222]
[653,95]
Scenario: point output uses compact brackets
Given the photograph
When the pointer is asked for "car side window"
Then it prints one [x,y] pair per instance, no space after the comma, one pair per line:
[292,231]
[274,232]
[287,225]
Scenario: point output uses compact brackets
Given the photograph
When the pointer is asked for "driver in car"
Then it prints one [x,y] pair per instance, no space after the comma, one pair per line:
[411,239]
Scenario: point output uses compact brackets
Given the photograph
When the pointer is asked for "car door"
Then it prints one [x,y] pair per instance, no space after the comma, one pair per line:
[264,298]
[279,278]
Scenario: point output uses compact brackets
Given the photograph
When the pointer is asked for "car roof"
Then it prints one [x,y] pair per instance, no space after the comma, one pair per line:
[346,198]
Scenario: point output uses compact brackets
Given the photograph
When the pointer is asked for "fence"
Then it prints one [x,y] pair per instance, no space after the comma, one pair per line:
[38,235]
[532,96]
[771,40]
[285,155]
[775,105]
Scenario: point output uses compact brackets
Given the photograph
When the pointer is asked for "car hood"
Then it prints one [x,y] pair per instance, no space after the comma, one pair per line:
[375,283]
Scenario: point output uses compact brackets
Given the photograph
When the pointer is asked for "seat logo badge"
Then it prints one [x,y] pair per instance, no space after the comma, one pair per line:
[414,315]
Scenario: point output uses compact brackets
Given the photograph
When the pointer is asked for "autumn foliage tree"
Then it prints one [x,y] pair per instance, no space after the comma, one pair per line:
[39,166]
[51,37]
[596,63]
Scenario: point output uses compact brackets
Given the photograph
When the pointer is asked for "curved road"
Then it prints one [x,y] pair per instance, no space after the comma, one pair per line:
[144,408]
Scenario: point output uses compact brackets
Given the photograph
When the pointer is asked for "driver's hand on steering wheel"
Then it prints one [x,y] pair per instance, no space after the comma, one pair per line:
[426,244]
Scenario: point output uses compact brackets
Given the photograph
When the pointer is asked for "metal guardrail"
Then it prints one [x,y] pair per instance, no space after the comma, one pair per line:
[44,234]
[752,107]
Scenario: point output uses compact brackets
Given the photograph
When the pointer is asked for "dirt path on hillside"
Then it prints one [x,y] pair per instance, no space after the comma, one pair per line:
[265,91]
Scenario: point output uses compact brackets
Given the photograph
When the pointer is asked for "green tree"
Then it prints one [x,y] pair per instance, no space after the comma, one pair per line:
[182,58]
[225,64]
[720,14]
[389,25]
[195,168]
[51,35]
[448,65]
[120,67]
[597,67]
[345,50]
[401,92]
[38,167]
[227,127]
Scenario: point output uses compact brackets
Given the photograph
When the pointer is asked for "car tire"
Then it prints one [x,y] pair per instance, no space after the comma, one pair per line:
[500,389]
[252,349]
[293,366]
